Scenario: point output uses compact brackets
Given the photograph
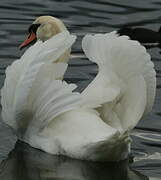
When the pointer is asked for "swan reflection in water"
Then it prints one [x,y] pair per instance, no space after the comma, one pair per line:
[26,163]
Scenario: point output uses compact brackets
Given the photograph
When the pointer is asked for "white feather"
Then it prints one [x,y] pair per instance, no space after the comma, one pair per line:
[49,96]
[124,66]
[21,74]
[93,125]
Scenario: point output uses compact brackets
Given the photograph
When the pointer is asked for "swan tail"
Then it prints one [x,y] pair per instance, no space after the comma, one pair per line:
[21,75]
[126,69]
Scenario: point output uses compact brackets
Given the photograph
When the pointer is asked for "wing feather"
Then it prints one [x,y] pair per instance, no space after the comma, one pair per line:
[52,98]
[21,75]
[120,61]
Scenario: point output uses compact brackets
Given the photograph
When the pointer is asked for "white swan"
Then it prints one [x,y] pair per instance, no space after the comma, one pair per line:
[93,125]
[43,28]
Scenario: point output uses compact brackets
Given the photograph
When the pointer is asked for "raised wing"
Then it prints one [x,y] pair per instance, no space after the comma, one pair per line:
[125,82]
[49,96]
[21,74]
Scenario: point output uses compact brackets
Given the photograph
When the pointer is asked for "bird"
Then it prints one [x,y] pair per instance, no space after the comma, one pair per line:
[48,114]
[145,36]
[43,28]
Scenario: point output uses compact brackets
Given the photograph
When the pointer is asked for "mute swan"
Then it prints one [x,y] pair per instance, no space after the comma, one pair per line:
[43,28]
[93,125]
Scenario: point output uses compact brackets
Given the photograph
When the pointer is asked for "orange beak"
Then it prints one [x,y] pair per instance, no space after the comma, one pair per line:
[29,40]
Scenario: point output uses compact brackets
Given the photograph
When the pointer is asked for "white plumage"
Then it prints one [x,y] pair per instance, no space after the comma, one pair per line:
[126,70]
[21,74]
[93,125]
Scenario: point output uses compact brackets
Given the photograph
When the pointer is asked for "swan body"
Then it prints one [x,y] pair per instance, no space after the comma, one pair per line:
[49,115]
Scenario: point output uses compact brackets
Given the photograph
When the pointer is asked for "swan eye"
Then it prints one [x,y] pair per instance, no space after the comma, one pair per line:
[33,28]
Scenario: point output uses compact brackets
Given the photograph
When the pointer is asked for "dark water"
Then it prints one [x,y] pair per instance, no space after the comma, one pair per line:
[81,17]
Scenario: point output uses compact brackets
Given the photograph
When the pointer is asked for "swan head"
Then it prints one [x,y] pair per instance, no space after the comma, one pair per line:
[43,28]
